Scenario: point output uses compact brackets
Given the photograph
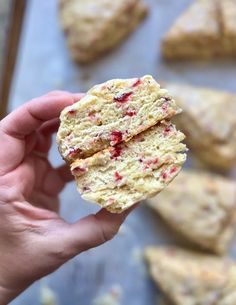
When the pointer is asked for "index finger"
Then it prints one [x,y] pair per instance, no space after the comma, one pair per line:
[27,118]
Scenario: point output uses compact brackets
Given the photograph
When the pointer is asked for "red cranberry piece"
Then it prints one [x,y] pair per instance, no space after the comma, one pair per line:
[164,175]
[148,163]
[130,112]
[80,169]
[74,151]
[91,115]
[116,136]
[111,200]
[137,83]
[72,112]
[173,170]
[118,177]
[166,131]
[115,152]
[123,98]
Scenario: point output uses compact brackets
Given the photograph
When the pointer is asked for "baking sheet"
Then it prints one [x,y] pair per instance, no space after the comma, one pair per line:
[44,64]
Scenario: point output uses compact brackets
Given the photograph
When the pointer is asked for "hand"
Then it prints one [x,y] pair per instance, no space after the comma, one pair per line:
[34,240]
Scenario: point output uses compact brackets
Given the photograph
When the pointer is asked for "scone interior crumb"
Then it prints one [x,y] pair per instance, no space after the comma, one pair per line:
[120,176]
[111,113]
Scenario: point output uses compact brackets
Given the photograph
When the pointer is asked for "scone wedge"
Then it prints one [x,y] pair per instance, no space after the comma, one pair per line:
[110,113]
[192,278]
[118,177]
[228,21]
[206,29]
[94,27]
[119,142]
[201,207]
[195,34]
[209,122]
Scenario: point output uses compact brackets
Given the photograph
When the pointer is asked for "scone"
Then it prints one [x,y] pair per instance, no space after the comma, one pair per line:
[202,207]
[228,10]
[94,27]
[195,34]
[192,278]
[120,143]
[118,177]
[206,29]
[110,113]
[209,122]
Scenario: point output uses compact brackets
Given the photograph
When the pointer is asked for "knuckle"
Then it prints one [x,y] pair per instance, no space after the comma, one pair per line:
[108,233]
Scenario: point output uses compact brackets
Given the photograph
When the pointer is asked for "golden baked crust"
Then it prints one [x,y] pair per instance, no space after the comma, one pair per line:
[192,278]
[208,120]
[110,113]
[202,207]
[206,29]
[94,27]
[118,177]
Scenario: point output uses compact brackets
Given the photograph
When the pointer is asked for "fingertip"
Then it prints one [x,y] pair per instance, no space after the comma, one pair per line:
[77,97]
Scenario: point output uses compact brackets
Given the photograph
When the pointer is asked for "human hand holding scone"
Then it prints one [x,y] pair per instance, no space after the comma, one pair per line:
[34,239]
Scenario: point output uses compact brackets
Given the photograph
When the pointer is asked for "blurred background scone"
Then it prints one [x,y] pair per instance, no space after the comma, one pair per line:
[195,278]
[93,27]
[206,29]
[209,122]
[202,207]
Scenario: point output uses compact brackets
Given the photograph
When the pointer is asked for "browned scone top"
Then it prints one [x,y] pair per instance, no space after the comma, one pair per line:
[206,29]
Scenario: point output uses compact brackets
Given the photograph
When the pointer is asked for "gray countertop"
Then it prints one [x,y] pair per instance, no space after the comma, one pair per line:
[43,65]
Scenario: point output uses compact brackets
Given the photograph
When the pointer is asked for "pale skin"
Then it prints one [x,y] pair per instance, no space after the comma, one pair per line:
[34,239]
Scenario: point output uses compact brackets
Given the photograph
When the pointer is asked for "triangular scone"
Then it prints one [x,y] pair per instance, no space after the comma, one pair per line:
[110,113]
[206,29]
[118,177]
[209,122]
[93,27]
[228,11]
[195,34]
[201,206]
[192,278]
